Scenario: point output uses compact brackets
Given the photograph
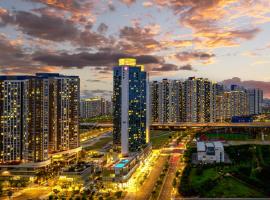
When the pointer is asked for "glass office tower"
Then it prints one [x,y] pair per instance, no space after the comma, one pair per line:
[130,106]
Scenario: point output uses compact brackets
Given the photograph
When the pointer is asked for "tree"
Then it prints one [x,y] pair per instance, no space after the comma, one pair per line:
[56,191]
[174,183]
[177,173]
[118,194]
[9,193]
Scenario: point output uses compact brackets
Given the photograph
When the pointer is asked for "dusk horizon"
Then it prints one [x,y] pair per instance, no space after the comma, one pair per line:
[219,40]
[134,99]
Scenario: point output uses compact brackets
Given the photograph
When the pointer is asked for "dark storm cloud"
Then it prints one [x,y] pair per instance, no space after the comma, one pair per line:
[111,7]
[187,67]
[172,67]
[102,28]
[194,55]
[45,26]
[12,54]
[54,28]
[166,67]
[137,40]
[88,59]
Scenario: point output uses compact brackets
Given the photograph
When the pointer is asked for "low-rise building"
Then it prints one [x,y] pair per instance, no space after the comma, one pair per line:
[210,152]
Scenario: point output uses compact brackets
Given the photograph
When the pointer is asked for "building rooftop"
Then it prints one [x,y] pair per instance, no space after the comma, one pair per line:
[122,163]
[203,146]
[209,144]
[218,145]
[200,146]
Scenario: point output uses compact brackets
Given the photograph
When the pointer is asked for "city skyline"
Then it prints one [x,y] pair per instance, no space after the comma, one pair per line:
[175,41]
[134,99]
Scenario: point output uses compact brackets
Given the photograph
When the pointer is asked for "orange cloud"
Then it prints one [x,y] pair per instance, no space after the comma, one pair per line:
[128,2]
[80,10]
[13,70]
[147,4]
[213,22]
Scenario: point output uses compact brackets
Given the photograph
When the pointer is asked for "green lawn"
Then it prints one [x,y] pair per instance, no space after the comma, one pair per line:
[225,187]
[101,143]
[228,136]
[228,187]
[159,138]
[247,176]
[198,179]
[99,119]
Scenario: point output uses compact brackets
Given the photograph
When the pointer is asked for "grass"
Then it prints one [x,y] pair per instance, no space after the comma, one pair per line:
[159,138]
[247,176]
[101,143]
[229,187]
[196,179]
[228,136]
[99,119]
[226,187]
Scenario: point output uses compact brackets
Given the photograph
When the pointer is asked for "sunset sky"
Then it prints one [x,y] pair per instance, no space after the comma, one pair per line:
[223,40]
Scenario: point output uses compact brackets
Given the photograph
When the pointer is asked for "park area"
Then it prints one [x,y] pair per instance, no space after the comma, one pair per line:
[99,144]
[247,177]
[160,138]
[228,136]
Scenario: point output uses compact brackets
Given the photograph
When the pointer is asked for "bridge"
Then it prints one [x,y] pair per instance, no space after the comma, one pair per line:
[97,125]
[212,125]
[184,125]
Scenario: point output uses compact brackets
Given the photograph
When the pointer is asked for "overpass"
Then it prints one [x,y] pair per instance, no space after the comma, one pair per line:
[95,125]
[184,125]
[212,125]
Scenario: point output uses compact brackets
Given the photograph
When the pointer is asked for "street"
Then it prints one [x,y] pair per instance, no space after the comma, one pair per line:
[143,192]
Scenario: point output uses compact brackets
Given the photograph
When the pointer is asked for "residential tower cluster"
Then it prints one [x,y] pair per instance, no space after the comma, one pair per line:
[199,100]
[39,116]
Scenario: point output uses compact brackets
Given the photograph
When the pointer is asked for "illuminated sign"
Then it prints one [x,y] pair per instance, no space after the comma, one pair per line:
[127,62]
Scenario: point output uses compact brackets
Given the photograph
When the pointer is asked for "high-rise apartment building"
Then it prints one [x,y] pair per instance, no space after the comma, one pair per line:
[130,106]
[13,119]
[175,101]
[255,98]
[93,107]
[190,100]
[39,115]
[198,100]
[108,107]
[231,103]
[154,99]
[239,103]
[219,109]
[164,101]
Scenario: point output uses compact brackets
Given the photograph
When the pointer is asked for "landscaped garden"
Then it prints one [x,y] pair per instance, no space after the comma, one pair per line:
[99,119]
[229,136]
[99,144]
[247,176]
[160,138]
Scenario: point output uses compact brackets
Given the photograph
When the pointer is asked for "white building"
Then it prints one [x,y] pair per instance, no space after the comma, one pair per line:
[210,152]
